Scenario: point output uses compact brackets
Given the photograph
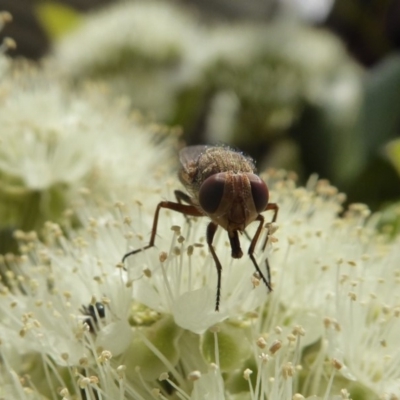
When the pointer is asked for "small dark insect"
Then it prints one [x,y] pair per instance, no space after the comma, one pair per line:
[93,313]
[223,186]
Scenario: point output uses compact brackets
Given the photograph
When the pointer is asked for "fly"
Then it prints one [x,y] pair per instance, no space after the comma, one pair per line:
[223,185]
[93,312]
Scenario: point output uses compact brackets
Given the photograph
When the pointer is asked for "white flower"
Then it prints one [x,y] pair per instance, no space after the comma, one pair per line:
[275,68]
[309,10]
[335,281]
[53,141]
[154,30]
[209,385]
[337,278]
[178,275]
[51,135]
[78,323]
[138,47]
[365,319]
[309,254]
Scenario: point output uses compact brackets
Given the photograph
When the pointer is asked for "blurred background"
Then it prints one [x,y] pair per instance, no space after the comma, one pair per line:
[311,86]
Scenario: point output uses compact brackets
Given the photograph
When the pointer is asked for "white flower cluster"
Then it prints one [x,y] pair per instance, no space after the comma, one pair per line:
[54,140]
[77,323]
[137,47]
[124,26]
[162,54]
[80,323]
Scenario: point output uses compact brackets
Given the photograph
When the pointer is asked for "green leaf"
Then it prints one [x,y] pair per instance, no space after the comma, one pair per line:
[389,222]
[57,19]
[393,153]
[381,118]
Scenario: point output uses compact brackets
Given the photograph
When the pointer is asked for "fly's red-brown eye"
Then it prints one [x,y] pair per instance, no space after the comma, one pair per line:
[211,192]
[259,191]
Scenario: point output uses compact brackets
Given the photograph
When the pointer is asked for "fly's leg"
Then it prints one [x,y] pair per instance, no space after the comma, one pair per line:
[211,229]
[252,246]
[169,205]
[274,207]
[182,197]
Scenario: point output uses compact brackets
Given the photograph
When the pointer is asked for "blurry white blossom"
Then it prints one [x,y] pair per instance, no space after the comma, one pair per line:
[137,46]
[155,50]
[262,77]
[6,44]
[308,10]
[5,17]
[238,82]
[155,30]
[54,140]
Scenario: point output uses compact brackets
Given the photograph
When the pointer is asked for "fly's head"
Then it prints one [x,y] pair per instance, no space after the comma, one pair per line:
[233,200]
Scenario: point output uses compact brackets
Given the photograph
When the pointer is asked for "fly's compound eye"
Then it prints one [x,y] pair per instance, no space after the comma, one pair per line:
[211,192]
[259,191]
[100,309]
[93,312]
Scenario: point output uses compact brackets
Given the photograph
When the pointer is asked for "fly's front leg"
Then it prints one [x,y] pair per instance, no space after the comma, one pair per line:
[169,205]
[211,229]
[252,246]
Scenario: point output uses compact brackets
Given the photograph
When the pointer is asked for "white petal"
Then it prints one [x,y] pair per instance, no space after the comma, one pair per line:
[195,310]
[208,387]
[115,337]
